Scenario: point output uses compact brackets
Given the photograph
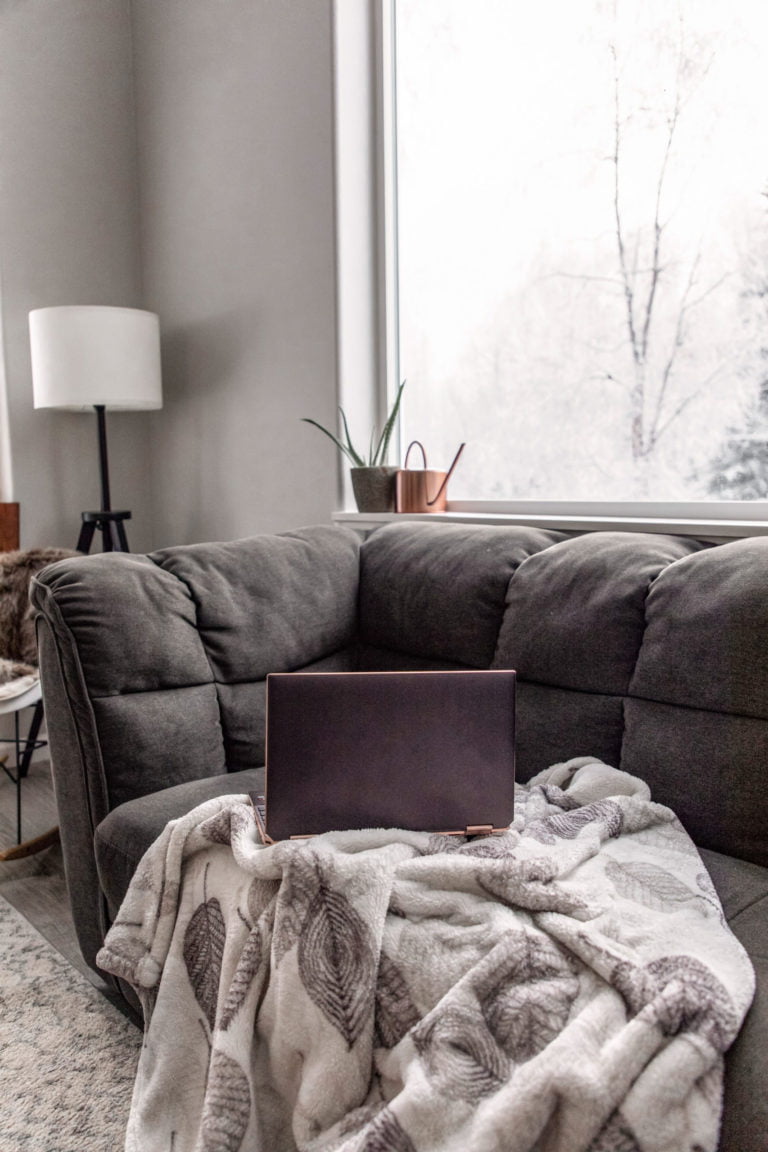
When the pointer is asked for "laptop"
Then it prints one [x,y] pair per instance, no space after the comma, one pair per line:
[426,751]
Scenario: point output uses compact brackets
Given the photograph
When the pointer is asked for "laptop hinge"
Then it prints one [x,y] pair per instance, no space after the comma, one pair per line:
[479,829]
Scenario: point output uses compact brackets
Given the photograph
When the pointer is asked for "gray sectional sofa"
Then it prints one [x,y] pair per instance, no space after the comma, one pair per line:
[648,651]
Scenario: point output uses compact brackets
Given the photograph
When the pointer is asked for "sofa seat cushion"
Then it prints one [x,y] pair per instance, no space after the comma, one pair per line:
[743,891]
[124,835]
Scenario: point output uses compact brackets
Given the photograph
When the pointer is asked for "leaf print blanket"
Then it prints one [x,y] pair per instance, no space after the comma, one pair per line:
[568,985]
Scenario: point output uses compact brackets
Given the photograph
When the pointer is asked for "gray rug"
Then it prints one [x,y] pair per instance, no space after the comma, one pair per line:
[67,1056]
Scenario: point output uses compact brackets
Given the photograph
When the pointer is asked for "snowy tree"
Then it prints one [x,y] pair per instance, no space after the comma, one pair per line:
[740,469]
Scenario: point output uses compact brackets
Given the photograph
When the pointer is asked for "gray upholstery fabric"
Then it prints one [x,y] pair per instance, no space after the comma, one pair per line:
[270,604]
[575,613]
[706,638]
[381,660]
[743,891]
[159,744]
[554,724]
[709,767]
[123,837]
[437,590]
[81,795]
[110,604]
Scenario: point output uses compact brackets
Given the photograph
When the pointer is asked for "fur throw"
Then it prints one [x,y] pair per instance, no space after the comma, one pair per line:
[18,649]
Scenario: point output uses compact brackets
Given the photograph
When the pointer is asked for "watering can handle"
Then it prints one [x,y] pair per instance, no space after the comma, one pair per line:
[423,453]
[448,475]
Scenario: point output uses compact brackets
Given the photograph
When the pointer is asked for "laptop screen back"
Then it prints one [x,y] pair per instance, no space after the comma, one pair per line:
[429,751]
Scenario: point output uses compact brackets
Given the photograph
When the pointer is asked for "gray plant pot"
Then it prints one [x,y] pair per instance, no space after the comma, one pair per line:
[374,488]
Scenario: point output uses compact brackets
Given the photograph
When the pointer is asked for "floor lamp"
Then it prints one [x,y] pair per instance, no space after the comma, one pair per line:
[96,357]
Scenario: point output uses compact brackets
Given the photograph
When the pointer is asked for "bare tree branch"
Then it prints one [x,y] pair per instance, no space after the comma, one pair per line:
[616,159]
[672,357]
[656,271]
[583,276]
[654,438]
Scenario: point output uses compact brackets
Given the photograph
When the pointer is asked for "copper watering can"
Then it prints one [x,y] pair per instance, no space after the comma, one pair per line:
[422,489]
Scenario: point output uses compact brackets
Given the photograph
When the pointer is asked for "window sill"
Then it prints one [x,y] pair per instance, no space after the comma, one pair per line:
[711,527]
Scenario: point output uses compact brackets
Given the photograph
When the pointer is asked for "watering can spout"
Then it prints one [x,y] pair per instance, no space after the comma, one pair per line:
[448,475]
[412,486]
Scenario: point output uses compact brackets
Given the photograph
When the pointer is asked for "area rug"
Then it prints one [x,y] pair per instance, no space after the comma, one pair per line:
[67,1056]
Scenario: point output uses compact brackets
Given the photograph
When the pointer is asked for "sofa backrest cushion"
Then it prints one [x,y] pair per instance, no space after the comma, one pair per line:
[575,614]
[572,629]
[697,714]
[433,594]
[270,603]
[173,648]
[649,651]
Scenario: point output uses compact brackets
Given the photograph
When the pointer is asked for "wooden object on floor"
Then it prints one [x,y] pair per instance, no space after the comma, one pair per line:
[30,847]
[9,527]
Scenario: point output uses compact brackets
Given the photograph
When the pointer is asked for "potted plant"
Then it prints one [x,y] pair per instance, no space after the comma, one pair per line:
[373,481]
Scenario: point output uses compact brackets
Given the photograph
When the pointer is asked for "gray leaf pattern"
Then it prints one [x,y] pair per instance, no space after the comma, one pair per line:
[560,799]
[261,893]
[387,1135]
[568,825]
[527,999]
[671,836]
[248,965]
[203,952]
[684,996]
[227,1106]
[218,829]
[337,962]
[460,1055]
[648,884]
[488,848]
[396,1013]
[528,884]
[438,843]
[297,892]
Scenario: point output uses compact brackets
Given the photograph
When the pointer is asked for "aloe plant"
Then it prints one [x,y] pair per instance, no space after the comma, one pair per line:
[377,449]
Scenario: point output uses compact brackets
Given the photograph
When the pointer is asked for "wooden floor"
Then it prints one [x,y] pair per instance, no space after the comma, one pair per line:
[35,886]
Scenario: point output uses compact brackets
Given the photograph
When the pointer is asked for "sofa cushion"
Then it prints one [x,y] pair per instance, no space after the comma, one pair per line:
[109,605]
[743,891]
[436,591]
[706,636]
[575,614]
[555,724]
[158,746]
[124,835]
[271,603]
[243,710]
[707,766]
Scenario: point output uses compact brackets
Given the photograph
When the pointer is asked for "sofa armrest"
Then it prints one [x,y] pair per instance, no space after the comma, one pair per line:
[153,667]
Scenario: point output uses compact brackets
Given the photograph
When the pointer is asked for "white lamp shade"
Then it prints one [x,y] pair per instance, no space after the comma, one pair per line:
[88,355]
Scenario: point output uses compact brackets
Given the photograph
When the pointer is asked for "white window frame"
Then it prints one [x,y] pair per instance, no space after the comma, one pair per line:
[366,296]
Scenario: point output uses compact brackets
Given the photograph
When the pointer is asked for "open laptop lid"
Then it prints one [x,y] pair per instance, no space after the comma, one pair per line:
[428,751]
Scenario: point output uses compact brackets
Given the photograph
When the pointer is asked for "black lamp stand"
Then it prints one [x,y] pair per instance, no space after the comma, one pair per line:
[110,524]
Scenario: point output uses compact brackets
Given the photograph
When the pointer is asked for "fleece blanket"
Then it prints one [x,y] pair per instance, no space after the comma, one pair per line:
[570,984]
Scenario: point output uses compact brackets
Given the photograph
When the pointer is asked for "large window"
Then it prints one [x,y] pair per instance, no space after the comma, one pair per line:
[582,245]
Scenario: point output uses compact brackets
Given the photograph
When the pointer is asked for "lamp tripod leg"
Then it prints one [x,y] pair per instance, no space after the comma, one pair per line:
[85,539]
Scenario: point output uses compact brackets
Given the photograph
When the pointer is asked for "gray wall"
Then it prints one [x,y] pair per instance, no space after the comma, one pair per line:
[176,155]
[68,235]
[235,128]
